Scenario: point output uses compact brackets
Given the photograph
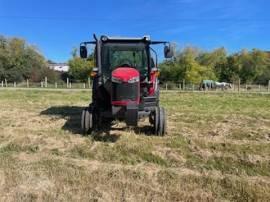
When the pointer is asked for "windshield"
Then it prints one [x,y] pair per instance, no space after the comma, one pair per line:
[124,55]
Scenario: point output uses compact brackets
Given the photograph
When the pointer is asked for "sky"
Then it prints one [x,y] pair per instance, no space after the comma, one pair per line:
[58,26]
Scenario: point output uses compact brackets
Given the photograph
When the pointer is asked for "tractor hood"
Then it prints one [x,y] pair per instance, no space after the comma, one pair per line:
[125,75]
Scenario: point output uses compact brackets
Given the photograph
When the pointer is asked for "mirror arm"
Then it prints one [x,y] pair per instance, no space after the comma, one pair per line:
[159,42]
[87,42]
[95,37]
[155,55]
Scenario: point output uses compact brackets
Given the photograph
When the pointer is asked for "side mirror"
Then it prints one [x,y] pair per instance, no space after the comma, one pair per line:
[169,51]
[83,51]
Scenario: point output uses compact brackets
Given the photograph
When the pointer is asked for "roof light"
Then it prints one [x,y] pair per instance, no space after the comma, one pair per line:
[104,38]
[147,38]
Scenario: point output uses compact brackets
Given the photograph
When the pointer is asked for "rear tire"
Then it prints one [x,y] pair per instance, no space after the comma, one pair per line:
[156,120]
[163,122]
[160,124]
[87,121]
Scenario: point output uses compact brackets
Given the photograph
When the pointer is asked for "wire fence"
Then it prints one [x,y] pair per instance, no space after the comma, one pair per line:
[237,87]
[69,84]
[169,86]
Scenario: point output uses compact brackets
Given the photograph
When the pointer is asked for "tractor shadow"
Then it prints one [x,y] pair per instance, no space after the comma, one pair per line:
[144,130]
[72,114]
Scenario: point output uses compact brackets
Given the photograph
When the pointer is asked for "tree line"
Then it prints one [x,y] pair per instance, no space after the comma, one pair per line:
[20,61]
[194,65]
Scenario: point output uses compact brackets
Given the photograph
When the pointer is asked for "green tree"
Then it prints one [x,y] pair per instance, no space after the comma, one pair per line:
[186,66]
[194,65]
[79,69]
[215,61]
[19,61]
[264,78]
[249,65]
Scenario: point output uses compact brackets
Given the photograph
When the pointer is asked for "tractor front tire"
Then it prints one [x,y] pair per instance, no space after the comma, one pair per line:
[160,124]
[87,121]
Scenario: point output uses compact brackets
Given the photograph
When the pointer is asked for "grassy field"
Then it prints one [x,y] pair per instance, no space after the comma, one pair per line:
[217,149]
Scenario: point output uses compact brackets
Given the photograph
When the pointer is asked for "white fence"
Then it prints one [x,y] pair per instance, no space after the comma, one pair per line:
[236,87]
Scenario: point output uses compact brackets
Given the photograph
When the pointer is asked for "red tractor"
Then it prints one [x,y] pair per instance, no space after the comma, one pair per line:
[125,82]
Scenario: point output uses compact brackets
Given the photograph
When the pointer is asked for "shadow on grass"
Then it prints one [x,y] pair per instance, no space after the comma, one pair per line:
[146,130]
[106,137]
[73,124]
[71,113]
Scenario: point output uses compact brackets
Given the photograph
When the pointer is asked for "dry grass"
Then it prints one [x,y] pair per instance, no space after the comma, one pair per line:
[217,149]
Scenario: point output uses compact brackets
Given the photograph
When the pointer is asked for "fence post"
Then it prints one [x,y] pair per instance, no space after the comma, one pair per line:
[27,83]
[184,85]
[89,82]
[70,86]
[260,87]
[246,87]
[55,84]
[67,82]
[2,84]
[84,85]
[6,83]
[239,83]
[46,82]
[193,87]
[14,84]
[166,86]
[180,86]
[41,84]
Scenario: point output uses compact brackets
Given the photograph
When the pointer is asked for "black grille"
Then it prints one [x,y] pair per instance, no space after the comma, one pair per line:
[124,91]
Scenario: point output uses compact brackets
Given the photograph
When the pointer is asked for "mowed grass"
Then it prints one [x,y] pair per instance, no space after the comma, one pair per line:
[217,149]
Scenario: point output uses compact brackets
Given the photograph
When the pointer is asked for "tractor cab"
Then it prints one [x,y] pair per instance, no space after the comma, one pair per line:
[125,82]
